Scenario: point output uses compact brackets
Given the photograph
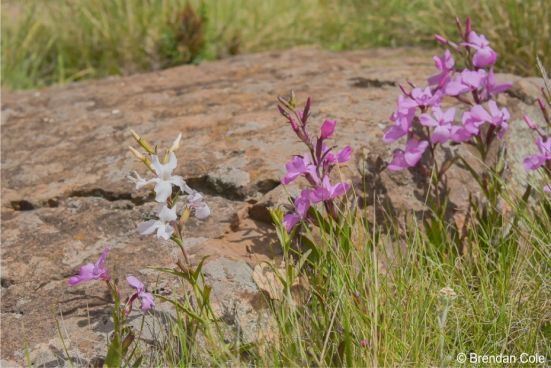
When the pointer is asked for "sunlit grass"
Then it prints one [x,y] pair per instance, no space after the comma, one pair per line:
[65,40]
[374,297]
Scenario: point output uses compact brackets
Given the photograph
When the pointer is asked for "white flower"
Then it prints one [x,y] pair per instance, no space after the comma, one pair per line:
[162,225]
[164,180]
[197,203]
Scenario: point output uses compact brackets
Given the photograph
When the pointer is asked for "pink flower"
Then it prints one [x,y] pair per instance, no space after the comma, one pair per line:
[496,116]
[484,54]
[302,205]
[146,299]
[491,86]
[410,157]
[196,202]
[441,122]
[467,81]
[327,191]
[402,118]
[547,188]
[90,271]
[425,97]
[328,128]
[472,121]
[330,159]
[298,165]
[445,64]
[536,161]
[499,117]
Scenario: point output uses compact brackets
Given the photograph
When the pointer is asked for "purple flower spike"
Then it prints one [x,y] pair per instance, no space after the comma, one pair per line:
[328,128]
[146,299]
[90,271]
[410,157]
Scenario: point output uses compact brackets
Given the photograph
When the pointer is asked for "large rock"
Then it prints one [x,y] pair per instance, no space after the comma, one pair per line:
[65,160]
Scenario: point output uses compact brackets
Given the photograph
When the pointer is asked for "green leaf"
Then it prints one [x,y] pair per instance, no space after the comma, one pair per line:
[114,353]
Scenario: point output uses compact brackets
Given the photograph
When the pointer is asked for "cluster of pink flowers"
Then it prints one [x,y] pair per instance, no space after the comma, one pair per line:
[542,159]
[315,165]
[420,117]
[98,271]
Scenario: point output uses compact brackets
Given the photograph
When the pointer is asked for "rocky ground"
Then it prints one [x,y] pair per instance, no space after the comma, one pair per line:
[65,194]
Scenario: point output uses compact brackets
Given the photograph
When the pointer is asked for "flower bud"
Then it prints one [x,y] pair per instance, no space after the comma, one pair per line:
[441,39]
[468,28]
[136,153]
[185,215]
[541,104]
[282,111]
[293,124]
[142,142]
[530,122]
[328,128]
[176,143]
[142,158]
[292,99]
[306,110]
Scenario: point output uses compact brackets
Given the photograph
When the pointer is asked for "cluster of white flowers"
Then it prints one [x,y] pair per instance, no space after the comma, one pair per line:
[164,182]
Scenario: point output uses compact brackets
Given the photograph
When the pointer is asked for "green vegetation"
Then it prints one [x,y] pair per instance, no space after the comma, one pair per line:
[66,40]
[374,297]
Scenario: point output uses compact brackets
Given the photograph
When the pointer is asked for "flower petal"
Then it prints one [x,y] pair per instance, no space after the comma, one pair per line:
[135,283]
[148,227]
[441,134]
[394,133]
[164,231]
[179,182]
[328,128]
[163,190]
[398,162]
[147,301]
[533,162]
[290,220]
[86,273]
[344,155]
[156,165]
[167,214]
